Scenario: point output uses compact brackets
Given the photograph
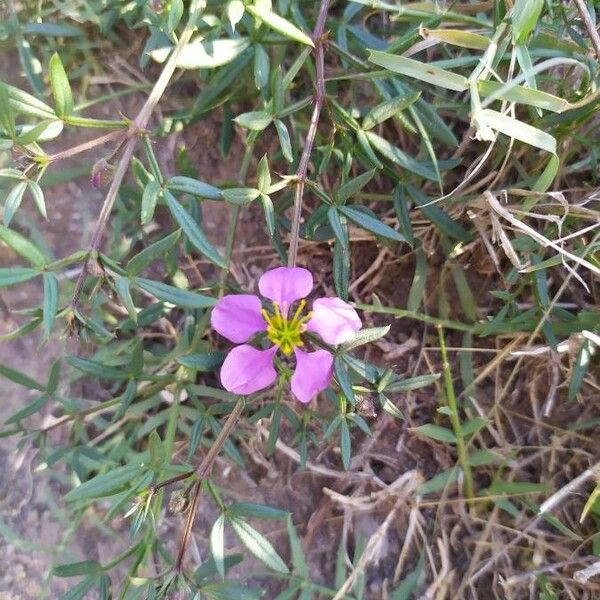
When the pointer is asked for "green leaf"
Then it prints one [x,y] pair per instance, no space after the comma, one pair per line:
[174,16]
[193,232]
[81,589]
[13,201]
[435,432]
[104,484]
[417,288]
[437,216]
[153,252]
[269,211]
[96,369]
[473,426]
[126,399]
[22,246]
[400,158]
[85,567]
[44,131]
[250,510]
[370,223]
[21,379]
[258,545]
[255,120]
[235,11]
[50,306]
[7,117]
[580,368]
[61,90]
[523,95]
[298,558]
[20,331]
[150,197]
[339,225]
[410,583]
[27,410]
[484,457]
[518,487]
[284,140]
[438,482]
[457,37]
[201,54]
[38,197]
[26,104]
[209,568]
[263,176]
[52,29]
[195,187]
[414,383]
[240,196]
[419,70]
[365,336]
[524,17]
[217,544]
[53,377]
[389,406]
[124,291]
[31,65]
[343,379]
[205,362]
[390,108]
[486,120]
[230,590]
[345,443]
[354,186]
[279,24]
[176,296]
[261,67]
[341,269]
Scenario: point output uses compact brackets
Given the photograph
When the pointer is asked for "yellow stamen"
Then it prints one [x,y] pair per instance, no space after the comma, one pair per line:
[283,331]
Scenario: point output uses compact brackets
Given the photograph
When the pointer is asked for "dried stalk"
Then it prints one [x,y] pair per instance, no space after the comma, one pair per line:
[202,472]
[589,25]
[319,41]
[137,126]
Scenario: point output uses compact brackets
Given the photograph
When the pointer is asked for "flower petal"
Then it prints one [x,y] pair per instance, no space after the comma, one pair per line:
[285,285]
[247,370]
[334,320]
[313,374]
[237,317]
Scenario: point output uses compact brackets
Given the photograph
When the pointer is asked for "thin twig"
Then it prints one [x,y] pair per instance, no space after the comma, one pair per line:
[589,25]
[138,125]
[202,472]
[319,98]
[109,137]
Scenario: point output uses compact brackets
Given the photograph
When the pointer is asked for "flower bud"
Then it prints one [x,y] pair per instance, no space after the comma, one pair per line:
[102,173]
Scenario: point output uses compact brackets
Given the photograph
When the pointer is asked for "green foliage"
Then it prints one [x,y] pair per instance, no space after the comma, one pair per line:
[406,142]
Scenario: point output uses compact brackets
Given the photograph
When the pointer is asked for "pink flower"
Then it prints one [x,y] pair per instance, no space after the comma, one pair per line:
[239,317]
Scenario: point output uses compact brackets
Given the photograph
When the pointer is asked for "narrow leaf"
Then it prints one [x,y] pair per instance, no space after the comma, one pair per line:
[371,224]
[191,229]
[174,295]
[258,545]
[279,24]
[61,90]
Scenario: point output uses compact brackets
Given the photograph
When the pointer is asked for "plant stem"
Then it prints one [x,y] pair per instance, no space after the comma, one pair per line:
[401,313]
[589,25]
[461,449]
[138,125]
[109,137]
[202,472]
[234,219]
[319,97]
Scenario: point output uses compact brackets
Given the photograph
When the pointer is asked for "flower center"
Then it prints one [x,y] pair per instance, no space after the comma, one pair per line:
[283,331]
